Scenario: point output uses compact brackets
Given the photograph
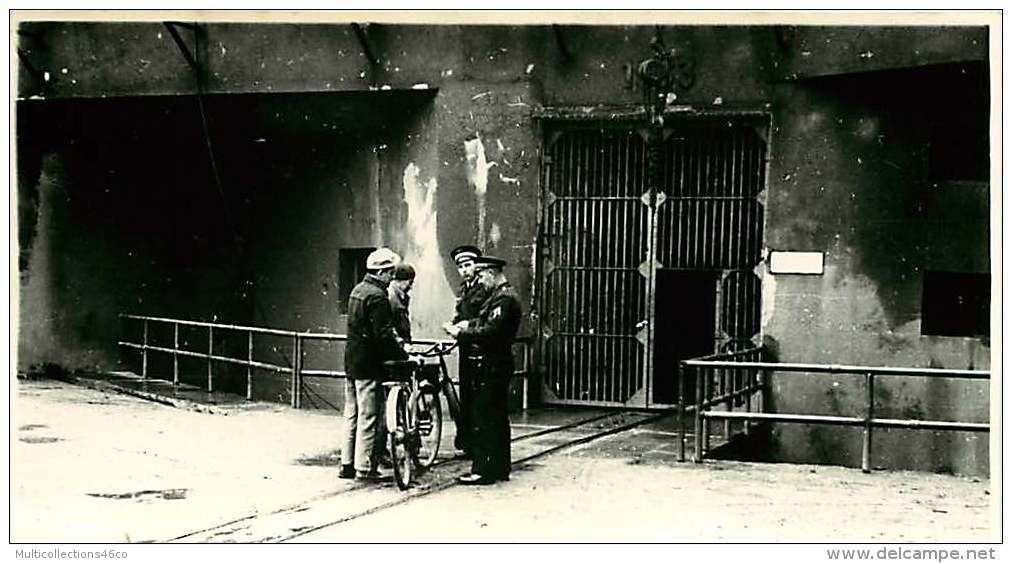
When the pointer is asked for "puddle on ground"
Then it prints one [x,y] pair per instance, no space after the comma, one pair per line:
[39,439]
[28,427]
[328,459]
[163,494]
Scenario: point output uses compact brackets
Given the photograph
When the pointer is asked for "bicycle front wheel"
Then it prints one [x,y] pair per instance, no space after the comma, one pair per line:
[427,419]
[399,436]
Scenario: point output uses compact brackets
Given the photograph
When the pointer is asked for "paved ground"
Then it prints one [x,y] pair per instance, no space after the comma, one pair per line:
[89,465]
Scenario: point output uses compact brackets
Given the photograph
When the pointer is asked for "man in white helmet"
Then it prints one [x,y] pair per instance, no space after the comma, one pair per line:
[371,341]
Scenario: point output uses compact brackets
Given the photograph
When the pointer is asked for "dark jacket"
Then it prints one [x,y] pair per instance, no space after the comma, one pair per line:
[470,298]
[371,337]
[495,329]
[399,303]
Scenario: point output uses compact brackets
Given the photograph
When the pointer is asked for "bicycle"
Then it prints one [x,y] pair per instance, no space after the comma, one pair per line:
[414,413]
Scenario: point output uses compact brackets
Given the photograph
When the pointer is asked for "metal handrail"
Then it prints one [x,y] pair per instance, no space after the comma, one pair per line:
[868,422]
[296,370]
[744,394]
[836,368]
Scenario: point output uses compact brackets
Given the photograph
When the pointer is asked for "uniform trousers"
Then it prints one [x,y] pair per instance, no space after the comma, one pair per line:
[490,447]
[466,374]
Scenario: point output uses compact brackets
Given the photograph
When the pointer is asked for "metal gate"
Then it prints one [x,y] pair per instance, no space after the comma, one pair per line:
[603,237]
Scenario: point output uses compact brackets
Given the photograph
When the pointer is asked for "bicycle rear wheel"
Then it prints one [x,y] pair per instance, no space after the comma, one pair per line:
[400,436]
[427,419]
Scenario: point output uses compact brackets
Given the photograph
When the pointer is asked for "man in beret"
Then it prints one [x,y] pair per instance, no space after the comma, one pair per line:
[493,333]
[399,292]
[371,341]
[470,298]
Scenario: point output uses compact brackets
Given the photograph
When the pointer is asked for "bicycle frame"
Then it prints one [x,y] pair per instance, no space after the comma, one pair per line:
[413,412]
[444,383]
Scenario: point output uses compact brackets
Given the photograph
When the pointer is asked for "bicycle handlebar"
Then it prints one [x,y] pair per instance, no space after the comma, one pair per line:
[437,349]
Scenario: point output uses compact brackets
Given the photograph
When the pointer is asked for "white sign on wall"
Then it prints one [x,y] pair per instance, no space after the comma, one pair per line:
[784,262]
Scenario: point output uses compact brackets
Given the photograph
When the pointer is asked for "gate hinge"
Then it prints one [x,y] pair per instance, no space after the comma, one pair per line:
[644,332]
[549,267]
[647,267]
[657,200]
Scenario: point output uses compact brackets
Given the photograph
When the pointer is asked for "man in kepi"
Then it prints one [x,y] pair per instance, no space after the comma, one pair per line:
[371,341]
[470,298]
[492,333]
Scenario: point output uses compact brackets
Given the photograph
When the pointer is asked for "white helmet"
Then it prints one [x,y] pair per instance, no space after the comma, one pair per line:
[381,259]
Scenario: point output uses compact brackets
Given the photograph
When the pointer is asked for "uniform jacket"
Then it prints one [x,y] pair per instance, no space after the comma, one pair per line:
[371,336]
[399,302]
[470,298]
[495,329]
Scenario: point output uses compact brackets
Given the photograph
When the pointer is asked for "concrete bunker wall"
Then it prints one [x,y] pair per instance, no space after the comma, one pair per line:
[104,185]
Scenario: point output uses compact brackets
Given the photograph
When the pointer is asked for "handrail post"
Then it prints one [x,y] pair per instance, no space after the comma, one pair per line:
[249,366]
[298,373]
[869,379]
[294,372]
[747,384]
[681,411]
[527,373]
[709,382]
[697,455]
[144,354]
[210,362]
[728,382]
[751,380]
[175,354]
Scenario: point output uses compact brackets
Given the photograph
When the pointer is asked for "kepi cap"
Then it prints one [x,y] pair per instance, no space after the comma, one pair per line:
[465,252]
[488,263]
[381,259]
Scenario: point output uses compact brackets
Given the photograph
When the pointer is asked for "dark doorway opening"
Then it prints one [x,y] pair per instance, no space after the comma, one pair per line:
[685,327]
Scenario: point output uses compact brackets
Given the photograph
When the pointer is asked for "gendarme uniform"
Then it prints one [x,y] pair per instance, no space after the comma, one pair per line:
[493,334]
[470,298]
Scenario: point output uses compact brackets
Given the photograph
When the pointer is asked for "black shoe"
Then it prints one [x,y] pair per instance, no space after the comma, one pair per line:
[346,472]
[368,476]
[475,479]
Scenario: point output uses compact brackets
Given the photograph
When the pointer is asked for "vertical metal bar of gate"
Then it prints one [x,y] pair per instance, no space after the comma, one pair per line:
[652,177]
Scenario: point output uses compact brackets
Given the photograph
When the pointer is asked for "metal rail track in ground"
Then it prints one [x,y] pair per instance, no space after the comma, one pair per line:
[452,482]
[362,499]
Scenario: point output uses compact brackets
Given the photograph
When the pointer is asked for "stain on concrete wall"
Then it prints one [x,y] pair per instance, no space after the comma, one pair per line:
[477,177]
[435,296]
